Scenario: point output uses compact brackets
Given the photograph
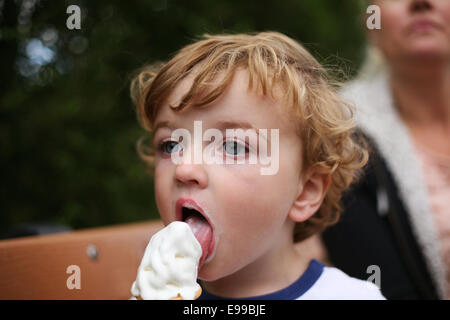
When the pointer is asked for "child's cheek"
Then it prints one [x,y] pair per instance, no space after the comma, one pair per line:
[162,193]
[242,174]
[243,194]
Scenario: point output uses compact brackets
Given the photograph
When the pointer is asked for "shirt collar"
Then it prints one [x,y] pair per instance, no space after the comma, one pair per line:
[293,291]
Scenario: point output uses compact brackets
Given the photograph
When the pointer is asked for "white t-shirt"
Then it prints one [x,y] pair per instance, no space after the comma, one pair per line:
[333,284]
[319,282]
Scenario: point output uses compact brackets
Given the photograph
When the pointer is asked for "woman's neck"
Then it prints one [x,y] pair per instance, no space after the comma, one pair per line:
[422,95]
[422,98]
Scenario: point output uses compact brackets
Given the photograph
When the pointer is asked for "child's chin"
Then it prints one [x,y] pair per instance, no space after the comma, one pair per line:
[203,275]
[206,273]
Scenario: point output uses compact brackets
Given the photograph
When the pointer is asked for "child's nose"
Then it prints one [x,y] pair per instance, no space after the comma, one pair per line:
[188,173]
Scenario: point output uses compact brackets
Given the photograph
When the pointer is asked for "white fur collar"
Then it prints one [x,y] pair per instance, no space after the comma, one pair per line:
[377,117]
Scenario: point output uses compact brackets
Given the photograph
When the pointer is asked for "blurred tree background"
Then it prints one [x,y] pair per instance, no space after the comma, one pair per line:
[68,130]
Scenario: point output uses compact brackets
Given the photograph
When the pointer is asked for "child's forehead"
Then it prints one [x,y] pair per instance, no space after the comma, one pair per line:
[238,103]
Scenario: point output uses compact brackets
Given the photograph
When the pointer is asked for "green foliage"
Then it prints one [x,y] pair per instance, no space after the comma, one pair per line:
[68,130]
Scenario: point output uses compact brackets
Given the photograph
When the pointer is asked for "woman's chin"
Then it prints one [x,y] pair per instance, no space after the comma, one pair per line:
[430,49]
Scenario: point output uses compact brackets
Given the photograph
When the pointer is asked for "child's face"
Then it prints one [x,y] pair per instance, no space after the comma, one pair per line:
[248,211]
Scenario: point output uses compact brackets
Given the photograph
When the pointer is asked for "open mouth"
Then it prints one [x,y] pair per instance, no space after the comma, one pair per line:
[189,213]
[199,224]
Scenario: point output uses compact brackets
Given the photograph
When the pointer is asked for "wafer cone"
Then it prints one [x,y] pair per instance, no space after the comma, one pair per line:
[179,297]
[197,294]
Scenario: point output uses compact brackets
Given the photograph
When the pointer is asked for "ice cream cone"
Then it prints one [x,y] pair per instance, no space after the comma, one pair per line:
[176,265]
[197,295]
[179,297]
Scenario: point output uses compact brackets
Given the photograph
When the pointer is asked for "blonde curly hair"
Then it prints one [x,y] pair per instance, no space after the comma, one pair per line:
[324,121]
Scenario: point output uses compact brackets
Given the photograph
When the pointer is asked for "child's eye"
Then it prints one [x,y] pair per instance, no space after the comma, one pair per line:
[234,148]
[170,147]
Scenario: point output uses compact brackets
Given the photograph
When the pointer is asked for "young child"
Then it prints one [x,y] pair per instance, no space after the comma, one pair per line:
[248,220]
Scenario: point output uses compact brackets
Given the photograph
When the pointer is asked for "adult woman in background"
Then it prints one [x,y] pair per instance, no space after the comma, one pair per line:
[398,217]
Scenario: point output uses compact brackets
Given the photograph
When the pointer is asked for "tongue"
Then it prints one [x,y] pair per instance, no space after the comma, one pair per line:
[202,231]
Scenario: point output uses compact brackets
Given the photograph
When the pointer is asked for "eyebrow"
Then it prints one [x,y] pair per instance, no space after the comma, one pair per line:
[238,125]
[221,125]
[162,124]
[234,125]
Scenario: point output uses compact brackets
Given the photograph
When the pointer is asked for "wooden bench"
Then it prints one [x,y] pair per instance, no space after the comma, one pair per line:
[38,267]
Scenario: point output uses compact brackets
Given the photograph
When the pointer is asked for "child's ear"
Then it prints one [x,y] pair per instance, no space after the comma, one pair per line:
[313,189]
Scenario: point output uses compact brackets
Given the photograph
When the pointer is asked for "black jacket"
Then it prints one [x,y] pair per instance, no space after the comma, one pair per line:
[373,233]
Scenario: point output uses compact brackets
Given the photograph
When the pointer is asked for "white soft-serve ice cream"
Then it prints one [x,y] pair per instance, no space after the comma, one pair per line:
[169,267]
